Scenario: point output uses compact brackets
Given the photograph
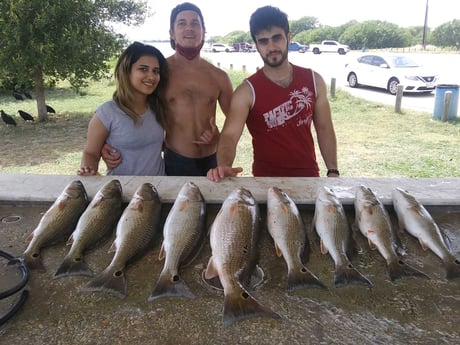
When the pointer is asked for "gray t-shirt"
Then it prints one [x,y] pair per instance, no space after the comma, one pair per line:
[140,145]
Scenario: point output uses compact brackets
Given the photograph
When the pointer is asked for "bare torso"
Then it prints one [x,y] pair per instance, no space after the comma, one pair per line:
[194,88]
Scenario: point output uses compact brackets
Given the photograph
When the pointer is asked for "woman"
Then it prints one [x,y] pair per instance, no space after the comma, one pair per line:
[133,121]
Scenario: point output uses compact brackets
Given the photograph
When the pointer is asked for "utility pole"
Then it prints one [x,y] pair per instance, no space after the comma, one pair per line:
[425,26]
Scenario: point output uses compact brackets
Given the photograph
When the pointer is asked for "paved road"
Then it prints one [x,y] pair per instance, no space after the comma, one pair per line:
[333,66]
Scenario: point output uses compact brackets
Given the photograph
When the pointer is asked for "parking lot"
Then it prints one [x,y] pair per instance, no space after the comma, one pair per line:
[332,66]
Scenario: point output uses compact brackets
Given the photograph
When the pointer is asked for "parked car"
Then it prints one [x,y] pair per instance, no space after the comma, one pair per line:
[244,47]
[387,71]
[328,46]
[297,47]
[221,47]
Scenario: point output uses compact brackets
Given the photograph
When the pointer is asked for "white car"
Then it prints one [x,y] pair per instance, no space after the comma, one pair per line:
[387,71]
[221,47]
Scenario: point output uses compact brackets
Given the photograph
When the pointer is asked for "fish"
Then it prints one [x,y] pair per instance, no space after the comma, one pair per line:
[332,227]
[418,222]
[374,223]
[96,223]
[135,232]
[234,237]
[289,234]
[184,232]
[56,224]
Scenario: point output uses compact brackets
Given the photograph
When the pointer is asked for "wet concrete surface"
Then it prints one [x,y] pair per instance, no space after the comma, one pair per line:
[411,311]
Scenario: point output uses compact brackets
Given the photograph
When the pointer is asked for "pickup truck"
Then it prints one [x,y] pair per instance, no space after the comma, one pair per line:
[329,47]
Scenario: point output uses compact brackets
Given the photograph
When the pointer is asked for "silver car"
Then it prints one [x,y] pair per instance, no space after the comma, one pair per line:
[387,71]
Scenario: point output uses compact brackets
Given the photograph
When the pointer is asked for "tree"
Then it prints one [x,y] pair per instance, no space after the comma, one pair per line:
[447,34]
[303,24]
[43,41]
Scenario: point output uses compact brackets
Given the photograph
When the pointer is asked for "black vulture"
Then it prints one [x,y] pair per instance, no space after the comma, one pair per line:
[18,96]
[50,109]
[8,119]
[26,116]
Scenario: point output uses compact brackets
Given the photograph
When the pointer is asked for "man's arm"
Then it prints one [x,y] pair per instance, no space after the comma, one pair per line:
[324,126]
[231,134]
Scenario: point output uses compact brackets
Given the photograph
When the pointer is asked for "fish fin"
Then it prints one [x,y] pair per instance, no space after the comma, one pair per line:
[183,205]
[61,204]
[30,237]
[110,281]
[399,269]
[303,277]
[241,306]
[73,267]
[162,254]
[323,248]
[168,286]
[70,240]
[371,244]
[347,274]
[452,269]
[210,271]
[278,251]
[113,247]
[423,244]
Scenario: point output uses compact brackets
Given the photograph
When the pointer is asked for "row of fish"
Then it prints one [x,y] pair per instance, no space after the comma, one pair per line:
[233,235]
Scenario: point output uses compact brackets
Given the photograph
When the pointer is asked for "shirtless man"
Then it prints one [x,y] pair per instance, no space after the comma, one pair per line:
[194,88]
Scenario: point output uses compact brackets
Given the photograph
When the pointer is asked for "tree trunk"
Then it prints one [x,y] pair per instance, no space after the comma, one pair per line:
[40,94]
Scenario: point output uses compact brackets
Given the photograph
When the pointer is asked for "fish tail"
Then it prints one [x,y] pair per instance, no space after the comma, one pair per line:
[347,274]
[452,269]
[241,306]
[109,280]
[73,266]
[170,286]
[34,262]
[399,269]
[303,277]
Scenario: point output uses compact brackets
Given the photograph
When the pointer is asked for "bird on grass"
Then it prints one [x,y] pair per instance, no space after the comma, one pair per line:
[50,109]
[27,94]
[17,95]
[26,116]
[8,119]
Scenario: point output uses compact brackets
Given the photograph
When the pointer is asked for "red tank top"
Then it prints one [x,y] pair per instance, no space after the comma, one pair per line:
[280,125]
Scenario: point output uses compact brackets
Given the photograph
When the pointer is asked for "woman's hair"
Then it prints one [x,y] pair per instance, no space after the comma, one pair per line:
[124,95]
[264,18]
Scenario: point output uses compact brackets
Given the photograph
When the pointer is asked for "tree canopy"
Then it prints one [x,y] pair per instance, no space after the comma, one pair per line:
[43,41]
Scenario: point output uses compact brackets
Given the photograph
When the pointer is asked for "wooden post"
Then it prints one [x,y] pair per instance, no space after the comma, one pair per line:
[446,106]
[333,83]
[218,64]
[231,66]
[244,68]
[399,95]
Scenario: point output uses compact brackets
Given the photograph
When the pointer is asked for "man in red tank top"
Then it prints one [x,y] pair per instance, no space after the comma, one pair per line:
[278,103]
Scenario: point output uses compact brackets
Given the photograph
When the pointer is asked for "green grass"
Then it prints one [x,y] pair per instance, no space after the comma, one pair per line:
[373,140]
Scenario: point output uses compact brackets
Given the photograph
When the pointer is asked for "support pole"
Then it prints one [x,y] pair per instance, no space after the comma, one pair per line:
[446,106]
[399,95]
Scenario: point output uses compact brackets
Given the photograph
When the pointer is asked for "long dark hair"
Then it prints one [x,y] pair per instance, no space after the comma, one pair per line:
[123,94]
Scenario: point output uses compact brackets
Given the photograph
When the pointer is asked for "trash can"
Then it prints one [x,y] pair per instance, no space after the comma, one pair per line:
[440,92]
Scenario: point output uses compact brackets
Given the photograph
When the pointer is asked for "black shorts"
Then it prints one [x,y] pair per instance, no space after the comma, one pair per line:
[177,165]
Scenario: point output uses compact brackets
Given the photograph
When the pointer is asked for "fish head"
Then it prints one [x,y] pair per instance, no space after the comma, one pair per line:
[111,189]
[190,191]
[75,190]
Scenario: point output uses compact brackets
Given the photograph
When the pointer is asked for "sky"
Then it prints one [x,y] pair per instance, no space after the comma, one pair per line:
[222,17]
